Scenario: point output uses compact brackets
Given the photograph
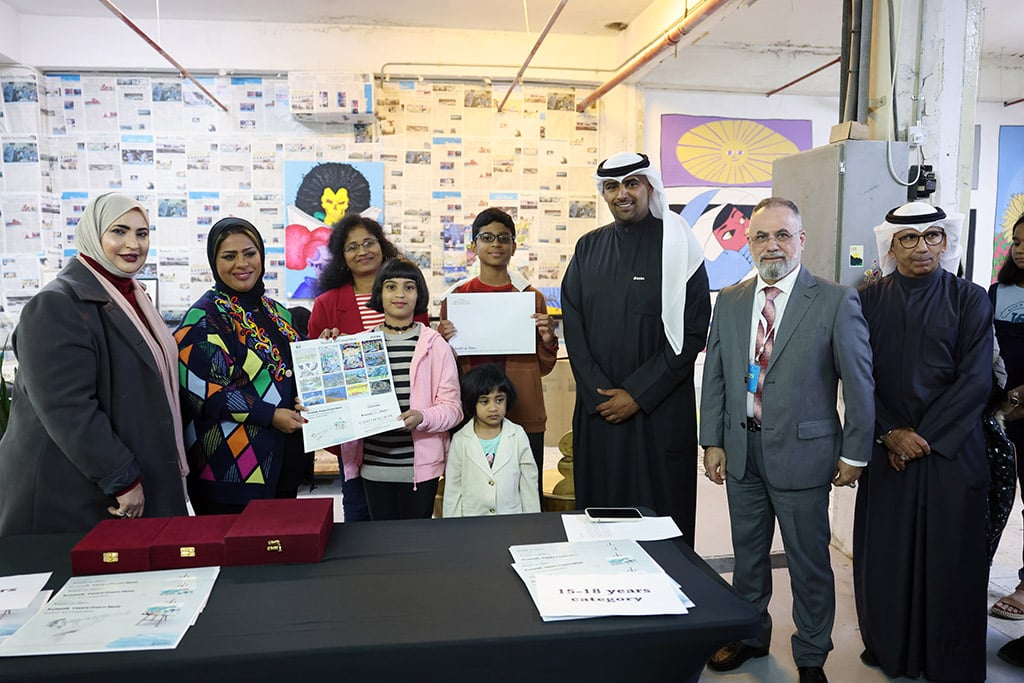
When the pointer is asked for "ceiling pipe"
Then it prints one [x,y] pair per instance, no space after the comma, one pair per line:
[1010,103]
[536,46]
[163,53]
[439,73]
[669,39]
[797,80]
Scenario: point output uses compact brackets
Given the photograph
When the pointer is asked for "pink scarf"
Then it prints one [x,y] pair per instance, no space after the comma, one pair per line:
[161,344]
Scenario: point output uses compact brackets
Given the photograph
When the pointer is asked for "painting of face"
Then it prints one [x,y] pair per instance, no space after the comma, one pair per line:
[732,232]
[335,204]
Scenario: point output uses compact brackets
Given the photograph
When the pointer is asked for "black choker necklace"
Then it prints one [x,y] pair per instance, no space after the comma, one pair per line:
[399,329]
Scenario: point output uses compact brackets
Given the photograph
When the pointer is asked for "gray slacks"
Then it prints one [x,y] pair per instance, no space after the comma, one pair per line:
[754,505]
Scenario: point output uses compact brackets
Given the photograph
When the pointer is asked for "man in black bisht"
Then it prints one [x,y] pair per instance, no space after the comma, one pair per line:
[636,307]
[920,563]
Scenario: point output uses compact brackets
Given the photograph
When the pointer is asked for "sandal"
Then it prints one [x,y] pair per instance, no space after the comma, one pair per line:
[1009,607]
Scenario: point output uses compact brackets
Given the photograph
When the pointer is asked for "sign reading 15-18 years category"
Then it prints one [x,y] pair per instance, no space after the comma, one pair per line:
[346,385]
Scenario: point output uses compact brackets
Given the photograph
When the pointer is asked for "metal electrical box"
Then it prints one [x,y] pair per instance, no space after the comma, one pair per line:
[843,190]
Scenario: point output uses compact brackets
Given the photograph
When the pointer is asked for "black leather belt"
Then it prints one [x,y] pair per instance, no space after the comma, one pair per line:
[751,425]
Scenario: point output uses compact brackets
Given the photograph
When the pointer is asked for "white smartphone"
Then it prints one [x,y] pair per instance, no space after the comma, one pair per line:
[613,514]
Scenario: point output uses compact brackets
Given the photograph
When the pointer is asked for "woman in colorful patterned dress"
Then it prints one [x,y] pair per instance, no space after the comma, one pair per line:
[235,365]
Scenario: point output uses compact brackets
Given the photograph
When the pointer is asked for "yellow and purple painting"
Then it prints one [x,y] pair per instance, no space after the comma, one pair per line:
[725,155]
[712,151]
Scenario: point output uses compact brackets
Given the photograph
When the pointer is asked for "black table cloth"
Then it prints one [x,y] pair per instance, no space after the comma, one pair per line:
[405,601]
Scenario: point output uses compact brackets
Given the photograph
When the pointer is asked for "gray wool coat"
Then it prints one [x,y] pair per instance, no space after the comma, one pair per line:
[89,415]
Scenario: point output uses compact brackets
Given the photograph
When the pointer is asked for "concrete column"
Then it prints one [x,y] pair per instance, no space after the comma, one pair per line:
[937,88]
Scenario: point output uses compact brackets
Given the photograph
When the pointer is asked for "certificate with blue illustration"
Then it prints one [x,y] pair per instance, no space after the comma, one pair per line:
[346,385]
[116,613]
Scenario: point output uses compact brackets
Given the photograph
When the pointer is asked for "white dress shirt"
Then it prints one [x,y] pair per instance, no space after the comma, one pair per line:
[785,286]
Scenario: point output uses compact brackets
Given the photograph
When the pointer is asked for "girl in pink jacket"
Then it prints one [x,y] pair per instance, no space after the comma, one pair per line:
[401,468]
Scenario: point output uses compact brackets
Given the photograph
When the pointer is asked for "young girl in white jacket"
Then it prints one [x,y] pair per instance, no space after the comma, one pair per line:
[490,470]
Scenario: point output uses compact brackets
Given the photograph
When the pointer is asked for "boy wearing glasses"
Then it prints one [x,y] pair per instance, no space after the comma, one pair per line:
[920,561]
[494,242]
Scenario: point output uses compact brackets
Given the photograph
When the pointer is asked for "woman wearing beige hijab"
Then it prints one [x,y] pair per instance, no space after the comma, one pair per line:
[95,428]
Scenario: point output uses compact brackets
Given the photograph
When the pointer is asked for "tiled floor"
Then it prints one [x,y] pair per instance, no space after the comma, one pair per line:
[844,665]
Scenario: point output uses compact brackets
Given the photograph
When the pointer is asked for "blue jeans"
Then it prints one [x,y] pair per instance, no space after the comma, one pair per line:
[353,500]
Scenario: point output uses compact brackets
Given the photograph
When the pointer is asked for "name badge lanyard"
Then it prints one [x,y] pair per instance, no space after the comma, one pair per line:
[769,336]
[754,370]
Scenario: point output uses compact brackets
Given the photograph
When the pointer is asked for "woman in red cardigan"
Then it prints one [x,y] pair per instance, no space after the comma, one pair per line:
[358,249]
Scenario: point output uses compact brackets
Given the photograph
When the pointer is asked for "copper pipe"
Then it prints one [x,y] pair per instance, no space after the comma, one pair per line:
[419,66]
[536,46]
[670,39]
[1010,103]
[163,53]
[797,80]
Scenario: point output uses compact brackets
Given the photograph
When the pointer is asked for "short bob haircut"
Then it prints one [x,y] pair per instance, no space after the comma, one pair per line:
[1009,273]
[336,273]
[492,215]
[403,268]
[481,380]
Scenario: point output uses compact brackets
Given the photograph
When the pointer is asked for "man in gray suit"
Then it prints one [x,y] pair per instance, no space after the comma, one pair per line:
[779,346]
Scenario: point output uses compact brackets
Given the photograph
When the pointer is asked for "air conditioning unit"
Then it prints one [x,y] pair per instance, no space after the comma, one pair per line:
[331,97]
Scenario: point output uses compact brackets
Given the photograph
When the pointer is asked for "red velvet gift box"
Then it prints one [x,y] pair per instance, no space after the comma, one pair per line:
[191,542]
[280,531]
[116,545]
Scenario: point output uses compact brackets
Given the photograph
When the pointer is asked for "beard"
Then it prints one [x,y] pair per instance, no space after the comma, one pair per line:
[775,270]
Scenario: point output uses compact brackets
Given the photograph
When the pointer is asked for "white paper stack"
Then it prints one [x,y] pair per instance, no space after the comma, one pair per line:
[580,528]
[116,612]
[596,579]
[13,619]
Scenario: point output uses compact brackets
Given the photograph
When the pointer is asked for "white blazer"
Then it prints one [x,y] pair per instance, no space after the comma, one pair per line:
[473,488]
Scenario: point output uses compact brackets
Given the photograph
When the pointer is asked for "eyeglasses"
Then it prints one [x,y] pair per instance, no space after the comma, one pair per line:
[489,237]
[367,244]
[931,238]
[780,237]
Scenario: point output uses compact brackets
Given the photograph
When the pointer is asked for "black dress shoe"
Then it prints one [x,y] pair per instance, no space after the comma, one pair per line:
[812,674]
[733,655]
[1013,652]
[869,659]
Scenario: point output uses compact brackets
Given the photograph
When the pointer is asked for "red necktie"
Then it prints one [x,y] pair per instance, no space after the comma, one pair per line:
[765,341]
